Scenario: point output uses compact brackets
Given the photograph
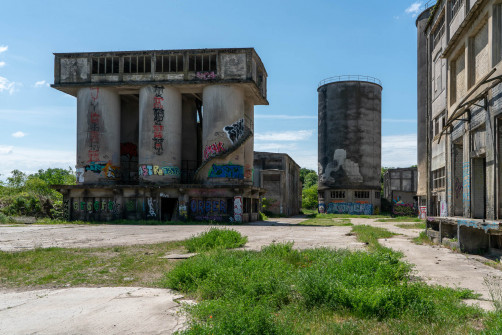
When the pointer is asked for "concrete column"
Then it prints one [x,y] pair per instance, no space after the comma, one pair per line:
[249,145]
[98,136]
[189,133]
[159,149]
[223,130]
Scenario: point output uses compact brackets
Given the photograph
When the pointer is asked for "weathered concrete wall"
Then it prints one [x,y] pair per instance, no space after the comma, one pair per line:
[98,136]
[422,102]
[160,127]
[223,134]
[349,135]
[129,135]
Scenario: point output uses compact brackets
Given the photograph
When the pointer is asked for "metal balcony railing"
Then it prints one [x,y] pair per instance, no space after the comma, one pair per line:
[350,78]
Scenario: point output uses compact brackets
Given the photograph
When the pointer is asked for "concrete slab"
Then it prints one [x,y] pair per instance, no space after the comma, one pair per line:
[105,310]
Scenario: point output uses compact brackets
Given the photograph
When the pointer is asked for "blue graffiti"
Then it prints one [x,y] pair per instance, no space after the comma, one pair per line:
[226,171]
[486,226]
[350,208]
[214,207]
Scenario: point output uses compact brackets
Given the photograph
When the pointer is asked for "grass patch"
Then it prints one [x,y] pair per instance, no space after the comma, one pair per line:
[215,239]
[280,290]
[401,219]
[47,221]
[422,238]
[370,235]
[326,222]
[138,265]
[417,225]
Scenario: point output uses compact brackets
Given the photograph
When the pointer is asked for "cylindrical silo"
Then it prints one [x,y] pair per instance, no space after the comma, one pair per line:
[160,122]
[349,153]
[98,136]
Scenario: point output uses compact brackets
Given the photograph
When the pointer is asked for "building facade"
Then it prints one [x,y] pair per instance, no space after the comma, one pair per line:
[279,175]
[459,120]
[400,190]
[349,147]
[163,134]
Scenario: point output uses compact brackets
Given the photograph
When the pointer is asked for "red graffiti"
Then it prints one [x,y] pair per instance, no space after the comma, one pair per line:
[93,155]
[157,102]
[157,131]
[213,149]
[94,93]
[128,149]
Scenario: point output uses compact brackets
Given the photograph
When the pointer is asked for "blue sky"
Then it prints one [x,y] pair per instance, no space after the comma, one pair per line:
[300,43]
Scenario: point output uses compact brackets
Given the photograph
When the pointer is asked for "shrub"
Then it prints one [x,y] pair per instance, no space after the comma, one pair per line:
[215,239]
[309,197]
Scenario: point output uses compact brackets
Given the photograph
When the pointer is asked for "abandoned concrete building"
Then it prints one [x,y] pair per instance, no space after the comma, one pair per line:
[279,175]
[400,190]
[349,147]
[460,121]
[164,134]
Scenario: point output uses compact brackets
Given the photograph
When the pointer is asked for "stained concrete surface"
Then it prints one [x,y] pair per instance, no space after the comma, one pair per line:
[154,311]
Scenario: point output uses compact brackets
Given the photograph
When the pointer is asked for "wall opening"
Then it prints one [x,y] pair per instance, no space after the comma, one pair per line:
[129,137]
[458,180]
[167,208]
[479,188]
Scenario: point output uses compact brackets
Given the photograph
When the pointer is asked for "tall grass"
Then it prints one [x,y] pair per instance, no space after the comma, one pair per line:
[280,290]
[215,239]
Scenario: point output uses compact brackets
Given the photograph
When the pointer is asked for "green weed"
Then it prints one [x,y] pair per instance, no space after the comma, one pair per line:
[326,222]
[418,225]
[215,239]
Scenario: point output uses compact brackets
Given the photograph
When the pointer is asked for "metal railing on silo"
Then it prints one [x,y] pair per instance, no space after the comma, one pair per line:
[350,77]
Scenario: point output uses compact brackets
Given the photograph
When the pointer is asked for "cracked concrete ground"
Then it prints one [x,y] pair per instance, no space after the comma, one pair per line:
[154,311]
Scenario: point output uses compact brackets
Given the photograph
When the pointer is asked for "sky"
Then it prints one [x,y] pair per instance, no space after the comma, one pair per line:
[299,42]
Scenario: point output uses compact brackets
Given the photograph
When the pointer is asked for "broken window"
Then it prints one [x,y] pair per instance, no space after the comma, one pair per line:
[337,194]
[169,63]
[362,194]
[105,65]
[439,178]
[202,63]
[137,64]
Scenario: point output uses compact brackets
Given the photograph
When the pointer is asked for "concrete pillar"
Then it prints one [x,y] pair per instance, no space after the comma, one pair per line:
[223,130]
[189,133]
[249,145]
[98,136]
[159,149]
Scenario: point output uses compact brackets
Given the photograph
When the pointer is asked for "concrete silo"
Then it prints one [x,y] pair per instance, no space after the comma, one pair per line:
[349,152]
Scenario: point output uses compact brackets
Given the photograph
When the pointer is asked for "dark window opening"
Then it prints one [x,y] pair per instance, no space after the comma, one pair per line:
[362,194]
[338,195]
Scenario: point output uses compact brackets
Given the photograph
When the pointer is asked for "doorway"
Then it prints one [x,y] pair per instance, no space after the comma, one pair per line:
[167,208]
[478,188]
[458,180]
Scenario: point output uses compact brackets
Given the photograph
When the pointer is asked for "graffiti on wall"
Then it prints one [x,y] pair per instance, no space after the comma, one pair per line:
[226,171]
[466,184]
[66,210]
[444,209]
[110,171]
[97,206]
[213,150]
[209,209]
[238,209]
[322,208]
[349,208]
[80,174]
[94,117]
[341,169]
[155,170]
[182,209]
[235,130]
[248,172]
[128,150]
[206,75]
[422,212]
[131,205]
[158,118]
[152,206]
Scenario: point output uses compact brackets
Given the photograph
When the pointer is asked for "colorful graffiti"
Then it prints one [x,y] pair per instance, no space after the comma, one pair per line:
[322,208]
[349,208]
[151,170]
[213,150]
[94,126]
[111,172]
[238,209]
[235,131]
[206,75]
[459,188]
[209,209]
[402,209]
[97,206]
[466,184]
[248,172]
[422,212]
[182,208]
[226,171]
[66,210]
[158,118]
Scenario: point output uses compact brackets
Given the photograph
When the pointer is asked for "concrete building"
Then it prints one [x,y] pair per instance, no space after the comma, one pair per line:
[349,152]
[459,121]
[400,190]
[163,134]
[279,175]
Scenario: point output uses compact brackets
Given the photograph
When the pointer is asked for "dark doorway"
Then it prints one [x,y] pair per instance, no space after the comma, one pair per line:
[458,180]
[167,208]
[478,188]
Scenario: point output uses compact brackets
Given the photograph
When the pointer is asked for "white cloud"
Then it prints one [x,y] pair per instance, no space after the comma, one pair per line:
[284,117]
[3,48]
[414,8]
[8,86]
[2,64]
[41,83]
[274,147]
[30,160]
[18,134]
[298,135]
[399,150]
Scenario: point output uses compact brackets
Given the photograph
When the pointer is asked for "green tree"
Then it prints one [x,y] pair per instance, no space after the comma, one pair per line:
[309,197]
[303,173]
[17,179]
[310,180]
